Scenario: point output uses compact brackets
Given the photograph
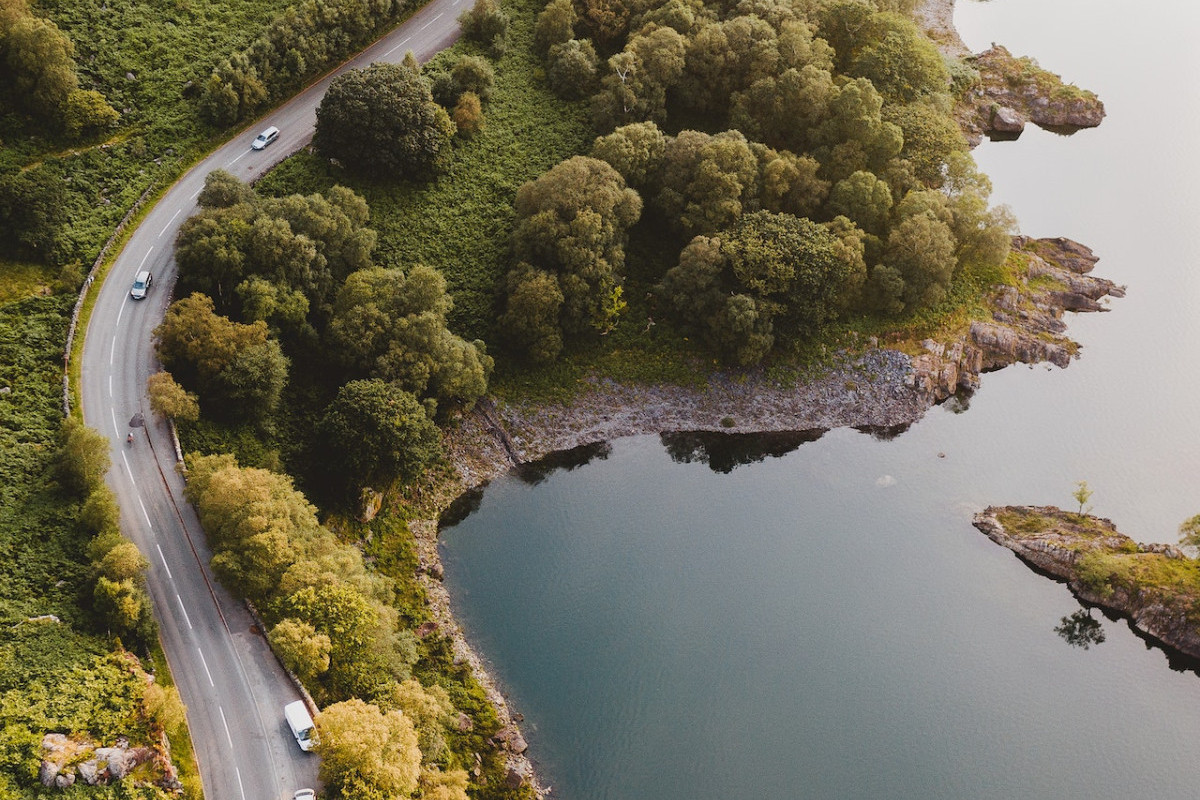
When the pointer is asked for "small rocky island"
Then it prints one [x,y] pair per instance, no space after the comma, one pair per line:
[1155,586]
[1012,92]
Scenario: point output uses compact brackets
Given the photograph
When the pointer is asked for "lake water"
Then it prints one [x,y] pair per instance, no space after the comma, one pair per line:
[676,619]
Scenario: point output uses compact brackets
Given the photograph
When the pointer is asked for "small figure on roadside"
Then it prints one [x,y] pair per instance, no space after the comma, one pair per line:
[129,438]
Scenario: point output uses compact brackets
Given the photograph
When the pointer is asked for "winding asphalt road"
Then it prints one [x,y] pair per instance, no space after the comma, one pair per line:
[232,685]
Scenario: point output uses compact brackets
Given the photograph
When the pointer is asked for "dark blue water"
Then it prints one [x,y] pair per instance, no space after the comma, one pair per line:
[825,622]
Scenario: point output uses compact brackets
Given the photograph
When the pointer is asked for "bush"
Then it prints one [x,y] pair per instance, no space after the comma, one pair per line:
[468,114]
[87,112]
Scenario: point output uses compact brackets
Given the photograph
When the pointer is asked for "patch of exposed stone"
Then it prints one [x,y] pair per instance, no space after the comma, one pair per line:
[936,18]
[1012,92]
[519,769]
[66,761]
[1054,541]
[1026,325]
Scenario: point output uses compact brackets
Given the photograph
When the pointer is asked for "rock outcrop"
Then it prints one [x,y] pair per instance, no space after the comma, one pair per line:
[1026,324]
[1058,542]
[1014,91]
[64,760]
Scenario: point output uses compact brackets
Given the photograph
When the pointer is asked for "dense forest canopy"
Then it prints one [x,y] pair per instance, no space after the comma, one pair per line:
[740,125]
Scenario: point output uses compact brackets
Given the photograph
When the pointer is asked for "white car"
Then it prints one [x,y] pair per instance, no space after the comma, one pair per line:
[141,284]
[265,138]
[304,794]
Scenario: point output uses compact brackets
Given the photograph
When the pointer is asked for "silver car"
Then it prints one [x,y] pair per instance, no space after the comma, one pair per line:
[141,284]
[265,138]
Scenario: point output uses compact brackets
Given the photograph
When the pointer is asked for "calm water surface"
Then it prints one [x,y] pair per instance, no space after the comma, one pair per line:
[825,622]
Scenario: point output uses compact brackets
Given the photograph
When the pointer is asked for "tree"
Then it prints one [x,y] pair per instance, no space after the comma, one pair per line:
[639,78]
[486,23]
[256,525]
[474,74]
[125,608]
[725,57]
[390,325]
[438,784]
[789,183]
[773,277]
[254,380]
[1082,494]
[853,135]
[40,59]
[170,399]
[123,562]
[604,21]
[210,251]
[792,264]
[783,110]
[222,189]
[429,709]
[1189,531]
[571,68]
[931,138]
[983,234]
[901,62]
[884,292]
[844,24]
[353,624]
[383,120]
[706,181]
[375,431]
[100,513]
[920,248]
[83,457]
[864,199]
[366,752]
[531,315]
[555,25]
[236,366]
[572,224]
[301,648]
[636,151]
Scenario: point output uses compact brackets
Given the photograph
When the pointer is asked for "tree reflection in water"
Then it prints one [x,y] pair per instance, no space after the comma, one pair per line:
[724,452]
[1081,629]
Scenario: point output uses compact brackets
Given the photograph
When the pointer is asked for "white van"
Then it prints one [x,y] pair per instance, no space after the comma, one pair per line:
[301,724]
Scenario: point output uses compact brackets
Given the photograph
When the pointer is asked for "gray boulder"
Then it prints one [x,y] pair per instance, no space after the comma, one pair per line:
[1008,121]
[89,771]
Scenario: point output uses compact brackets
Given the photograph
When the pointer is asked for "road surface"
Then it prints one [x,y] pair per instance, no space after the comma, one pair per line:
[232,685]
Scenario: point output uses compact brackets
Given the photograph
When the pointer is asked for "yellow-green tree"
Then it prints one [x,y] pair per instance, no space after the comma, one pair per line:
[367,753]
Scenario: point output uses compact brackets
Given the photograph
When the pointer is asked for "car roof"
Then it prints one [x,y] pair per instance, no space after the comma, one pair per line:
[269,131]
[142,275]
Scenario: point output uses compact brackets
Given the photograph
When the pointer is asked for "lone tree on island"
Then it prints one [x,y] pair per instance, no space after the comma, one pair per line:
[1082,494]
[383,120]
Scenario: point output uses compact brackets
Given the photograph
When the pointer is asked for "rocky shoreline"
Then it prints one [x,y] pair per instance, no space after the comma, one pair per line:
[878,387]
[874,386]
[1126,578]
